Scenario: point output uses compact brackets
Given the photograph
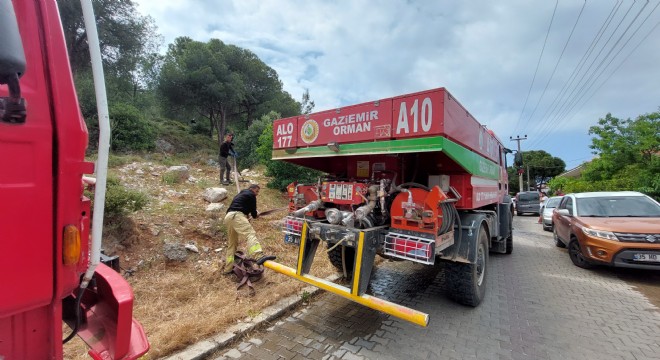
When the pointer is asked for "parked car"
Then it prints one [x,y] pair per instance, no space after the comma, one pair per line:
[528,202]
[548,208]
[612,228]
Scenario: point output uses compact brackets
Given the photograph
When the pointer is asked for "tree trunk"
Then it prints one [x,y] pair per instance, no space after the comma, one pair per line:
[211,124]
[223,123]
[249,115]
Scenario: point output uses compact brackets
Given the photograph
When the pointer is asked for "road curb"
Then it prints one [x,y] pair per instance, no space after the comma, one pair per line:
[206,347]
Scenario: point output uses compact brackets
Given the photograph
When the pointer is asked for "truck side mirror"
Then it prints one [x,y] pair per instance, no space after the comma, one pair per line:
[12,57]
[564,212]
[12,65]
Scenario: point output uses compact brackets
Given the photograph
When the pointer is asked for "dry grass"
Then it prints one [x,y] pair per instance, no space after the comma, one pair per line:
[181,303]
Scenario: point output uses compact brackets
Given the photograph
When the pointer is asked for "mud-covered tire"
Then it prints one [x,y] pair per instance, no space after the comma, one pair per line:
[334,256]
[466,283]
[509,239]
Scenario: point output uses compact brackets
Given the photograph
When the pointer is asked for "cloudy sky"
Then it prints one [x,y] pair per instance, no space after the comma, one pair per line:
[545,69]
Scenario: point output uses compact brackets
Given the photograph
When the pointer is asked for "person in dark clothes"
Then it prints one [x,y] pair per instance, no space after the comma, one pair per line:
[237,223]
[226,150]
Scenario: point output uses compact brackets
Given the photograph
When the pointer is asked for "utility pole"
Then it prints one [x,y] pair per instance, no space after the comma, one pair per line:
[529,185]
[518,139]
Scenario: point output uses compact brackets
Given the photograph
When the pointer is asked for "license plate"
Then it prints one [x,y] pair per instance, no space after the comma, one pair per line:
[646,257]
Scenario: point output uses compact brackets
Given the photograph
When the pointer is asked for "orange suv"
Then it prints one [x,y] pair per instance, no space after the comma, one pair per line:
[620,228]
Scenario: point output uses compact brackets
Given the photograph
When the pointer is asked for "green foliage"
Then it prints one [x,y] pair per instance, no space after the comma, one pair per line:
[227,85]
[305,296]
[121,201]
[182,138]
[171,179]
[283,173]
[247,142]
[129,50]
[621,143]
[125,36]
[283,104]
[541,166]
[115,160]
[628,157]
[130,131]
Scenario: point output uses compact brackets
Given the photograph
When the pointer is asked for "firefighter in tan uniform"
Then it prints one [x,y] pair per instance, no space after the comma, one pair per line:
[237,223]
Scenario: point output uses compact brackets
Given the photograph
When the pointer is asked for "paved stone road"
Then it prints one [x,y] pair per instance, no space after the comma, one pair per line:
[538,306]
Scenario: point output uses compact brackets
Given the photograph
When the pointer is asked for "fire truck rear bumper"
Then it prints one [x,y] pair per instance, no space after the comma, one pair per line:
[387,307]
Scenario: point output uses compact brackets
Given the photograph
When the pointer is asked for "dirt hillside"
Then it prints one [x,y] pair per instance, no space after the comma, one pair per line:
[180,302]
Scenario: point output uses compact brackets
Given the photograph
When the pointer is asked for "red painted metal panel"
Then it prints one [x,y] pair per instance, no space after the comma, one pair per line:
[363,122]
[419,114]
[71,136]
[427,113]
[21,333]
[33,212]
[285,133]
[461,182]
[26,200]
[463,128]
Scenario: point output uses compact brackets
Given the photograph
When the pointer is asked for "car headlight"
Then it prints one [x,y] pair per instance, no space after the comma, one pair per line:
[600,233]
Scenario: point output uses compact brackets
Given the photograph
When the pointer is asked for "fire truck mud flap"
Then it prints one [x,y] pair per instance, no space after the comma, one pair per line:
[109,328]
[464,249]
[365,254]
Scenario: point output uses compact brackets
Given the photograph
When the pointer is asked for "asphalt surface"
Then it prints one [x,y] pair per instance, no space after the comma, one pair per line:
[538,306]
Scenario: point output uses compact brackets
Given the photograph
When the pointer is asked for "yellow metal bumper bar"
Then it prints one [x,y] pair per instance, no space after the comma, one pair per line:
[402,312]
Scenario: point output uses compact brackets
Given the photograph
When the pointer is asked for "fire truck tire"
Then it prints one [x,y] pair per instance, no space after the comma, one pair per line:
[509,239]
[466,283]
[335,259]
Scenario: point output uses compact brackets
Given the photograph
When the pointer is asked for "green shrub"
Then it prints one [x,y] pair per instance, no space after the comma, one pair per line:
[121,201]
[183,140]
[172,178]
[247,141]
[281,172]
[130,130]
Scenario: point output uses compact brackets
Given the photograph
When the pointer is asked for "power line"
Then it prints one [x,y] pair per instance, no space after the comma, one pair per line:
[622,62]
[538,63]
[591,80]
[580,64]
[585,87]
[569,100]
[557,64]
[614,57]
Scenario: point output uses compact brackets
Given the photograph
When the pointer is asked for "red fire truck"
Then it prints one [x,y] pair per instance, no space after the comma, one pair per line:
[410,178]
[51,272]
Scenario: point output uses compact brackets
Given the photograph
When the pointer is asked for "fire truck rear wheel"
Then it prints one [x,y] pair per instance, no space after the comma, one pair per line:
[466,283]
[509,239]
[335,258]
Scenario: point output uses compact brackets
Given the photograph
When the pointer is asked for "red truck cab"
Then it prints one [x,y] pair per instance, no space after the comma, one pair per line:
[44,216]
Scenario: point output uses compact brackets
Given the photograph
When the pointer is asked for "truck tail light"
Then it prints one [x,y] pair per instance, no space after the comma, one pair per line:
[409,247]
[292,229]
[71,245]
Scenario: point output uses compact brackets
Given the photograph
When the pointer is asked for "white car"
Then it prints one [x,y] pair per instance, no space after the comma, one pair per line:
[548,207]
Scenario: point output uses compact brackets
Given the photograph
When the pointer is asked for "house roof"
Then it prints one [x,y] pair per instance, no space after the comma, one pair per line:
[574,172]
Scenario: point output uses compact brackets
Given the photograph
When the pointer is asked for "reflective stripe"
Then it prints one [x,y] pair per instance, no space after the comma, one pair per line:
[254,249]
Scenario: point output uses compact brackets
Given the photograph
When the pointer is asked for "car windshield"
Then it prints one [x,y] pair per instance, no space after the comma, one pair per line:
[552,203]
[528,196]
[617,206]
